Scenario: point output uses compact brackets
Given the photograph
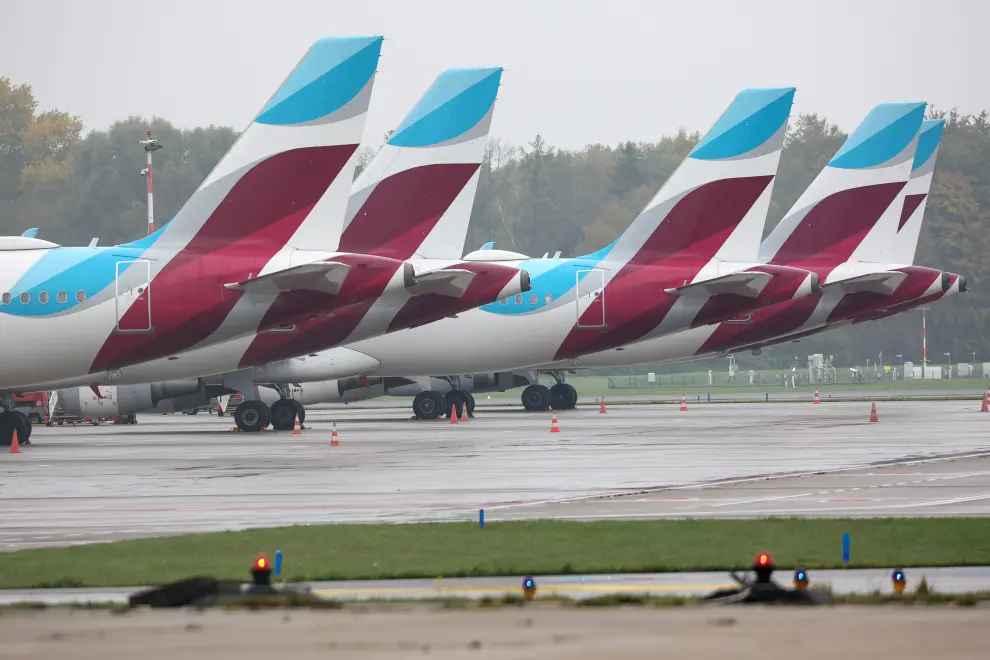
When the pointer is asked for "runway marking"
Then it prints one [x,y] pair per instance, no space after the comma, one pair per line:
[841,471]
[763,499]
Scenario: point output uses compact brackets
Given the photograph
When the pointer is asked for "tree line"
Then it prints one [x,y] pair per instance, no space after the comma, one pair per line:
[532,198]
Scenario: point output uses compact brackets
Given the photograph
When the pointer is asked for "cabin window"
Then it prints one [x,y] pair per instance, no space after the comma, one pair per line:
[548,298]
[62,297]
[518,298]
[533,299]
[80,296]
[504,301]
[43,297]
[6,299]
[25,298]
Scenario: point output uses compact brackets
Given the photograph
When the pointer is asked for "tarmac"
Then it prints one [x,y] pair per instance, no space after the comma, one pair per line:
[176,473]
[538,630]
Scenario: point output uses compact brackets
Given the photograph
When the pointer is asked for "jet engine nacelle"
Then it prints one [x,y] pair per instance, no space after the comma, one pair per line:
[328,365]
[114,400]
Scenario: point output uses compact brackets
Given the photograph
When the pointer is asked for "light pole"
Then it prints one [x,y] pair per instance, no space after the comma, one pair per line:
[948,361]
[150,145]
[924,343]
[901,358]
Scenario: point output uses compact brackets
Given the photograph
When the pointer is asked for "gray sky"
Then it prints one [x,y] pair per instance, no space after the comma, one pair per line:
[577,72]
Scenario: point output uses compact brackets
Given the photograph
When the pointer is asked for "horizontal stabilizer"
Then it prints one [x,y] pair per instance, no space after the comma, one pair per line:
[324,276]
[452,282]
[748,284]
[884,282]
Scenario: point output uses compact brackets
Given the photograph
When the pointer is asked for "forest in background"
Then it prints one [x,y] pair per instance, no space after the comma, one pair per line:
[532,198]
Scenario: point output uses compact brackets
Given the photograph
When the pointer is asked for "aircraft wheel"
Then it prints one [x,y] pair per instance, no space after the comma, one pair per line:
[562,396]
[470,403]
[455,399]
[536,397]
[428,405]
[10,422]
[252,416]
[284,415]
[300,408]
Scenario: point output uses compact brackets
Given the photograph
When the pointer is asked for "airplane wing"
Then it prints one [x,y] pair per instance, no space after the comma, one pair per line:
[452,282]
[323,276]
[94,241]
[748,284]
[885,282]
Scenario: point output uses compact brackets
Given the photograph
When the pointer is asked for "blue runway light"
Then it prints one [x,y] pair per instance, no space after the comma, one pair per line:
[529,588]
[278,563]
[845,548]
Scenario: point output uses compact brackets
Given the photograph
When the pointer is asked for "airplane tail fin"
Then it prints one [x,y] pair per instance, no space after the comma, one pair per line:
[298,151]
[904,244]
[843,213]
[416,195]
[31,233]
[715,202]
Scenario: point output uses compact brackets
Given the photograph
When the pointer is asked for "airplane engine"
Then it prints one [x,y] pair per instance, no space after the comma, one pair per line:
[117,400]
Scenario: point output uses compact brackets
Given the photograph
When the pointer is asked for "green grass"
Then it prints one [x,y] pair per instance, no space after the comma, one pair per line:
[510,548]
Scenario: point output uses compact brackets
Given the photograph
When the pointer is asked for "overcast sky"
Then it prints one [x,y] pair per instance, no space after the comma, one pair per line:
[577,72]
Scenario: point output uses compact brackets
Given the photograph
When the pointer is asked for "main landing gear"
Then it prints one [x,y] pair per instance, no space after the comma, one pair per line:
[253,416]
[11,421]
[431,405]
[540,397]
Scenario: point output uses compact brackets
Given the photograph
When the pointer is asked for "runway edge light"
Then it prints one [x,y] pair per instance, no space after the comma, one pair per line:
[763,567]
[800,579]
[899,580]
[261,571]
[529,587]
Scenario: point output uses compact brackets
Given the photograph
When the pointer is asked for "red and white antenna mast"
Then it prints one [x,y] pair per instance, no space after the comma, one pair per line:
[150,145]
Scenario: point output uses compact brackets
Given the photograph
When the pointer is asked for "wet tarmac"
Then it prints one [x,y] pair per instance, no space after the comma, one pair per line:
[177,473]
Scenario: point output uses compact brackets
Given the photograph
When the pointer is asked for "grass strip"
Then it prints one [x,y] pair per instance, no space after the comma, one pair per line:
[540,547]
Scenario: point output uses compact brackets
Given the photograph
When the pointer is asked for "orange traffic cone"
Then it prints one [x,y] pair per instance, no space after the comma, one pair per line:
[553,423]
[15,445]
[298,429]
[334,442]
[464,412]
[817,398]
[602,410]
[873,413]
[453,413]
[683,403]
[986,402]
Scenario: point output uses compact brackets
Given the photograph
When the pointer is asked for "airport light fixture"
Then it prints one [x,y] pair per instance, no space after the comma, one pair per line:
[150,145]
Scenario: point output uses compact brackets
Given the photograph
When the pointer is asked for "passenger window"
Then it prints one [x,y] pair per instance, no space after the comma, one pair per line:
[80,296]
[504,301]
[25,298]
[533,299]
[63,297]
[43,297]
[518,298]
[548,298]
[6,299]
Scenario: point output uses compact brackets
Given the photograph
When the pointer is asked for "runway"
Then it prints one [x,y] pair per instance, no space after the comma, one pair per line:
[175,474]
[855,581]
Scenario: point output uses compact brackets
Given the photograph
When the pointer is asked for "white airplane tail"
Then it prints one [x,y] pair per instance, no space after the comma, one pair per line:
[904,244]
[848,211]
[416,195]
